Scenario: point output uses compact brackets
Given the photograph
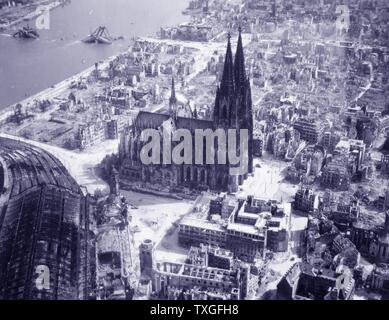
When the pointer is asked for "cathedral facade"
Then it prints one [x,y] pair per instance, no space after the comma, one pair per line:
[232,110]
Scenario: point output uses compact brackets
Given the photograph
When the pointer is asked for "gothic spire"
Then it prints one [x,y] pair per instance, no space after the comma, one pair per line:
[227,83]
[173,99]
[195,115]
[239,64]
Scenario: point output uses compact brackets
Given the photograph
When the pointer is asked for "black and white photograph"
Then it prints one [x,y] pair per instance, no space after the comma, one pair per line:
[194,150]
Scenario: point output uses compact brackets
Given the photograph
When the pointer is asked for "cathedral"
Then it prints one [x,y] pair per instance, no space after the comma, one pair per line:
[232,110]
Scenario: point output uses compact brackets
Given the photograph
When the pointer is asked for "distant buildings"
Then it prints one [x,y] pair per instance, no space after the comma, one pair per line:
[4,3]
[118,96]
[188,32]
[346,162]
[330,140]
[198,4]
[354,150]
[345,214]
[99,130]
[309,161]
[281,140]
[362,123]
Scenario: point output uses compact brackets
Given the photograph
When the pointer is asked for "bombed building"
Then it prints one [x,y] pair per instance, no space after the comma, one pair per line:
[304,282]
[46,231]
[209,273]
[245,227]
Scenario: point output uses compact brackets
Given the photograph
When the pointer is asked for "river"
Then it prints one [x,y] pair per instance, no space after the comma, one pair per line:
[29,66]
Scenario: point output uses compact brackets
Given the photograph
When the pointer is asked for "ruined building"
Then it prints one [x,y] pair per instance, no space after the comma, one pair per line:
[46,228]
[304,282]
[115,275]
[379,249]
[310,129]
[306,200]
[245,227]
[335,174]
[210,273]
[380,278]
[232,110]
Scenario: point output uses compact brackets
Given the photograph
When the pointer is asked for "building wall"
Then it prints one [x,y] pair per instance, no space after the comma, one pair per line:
[245,246]
[277,241]
[195,236]
[380,280]
[362,238]
[185,276]
[379,251]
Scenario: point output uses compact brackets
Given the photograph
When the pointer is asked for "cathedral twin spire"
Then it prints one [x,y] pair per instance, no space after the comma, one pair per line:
[234,72]
[239,64]
[233,104]
[234,80]
[228,84]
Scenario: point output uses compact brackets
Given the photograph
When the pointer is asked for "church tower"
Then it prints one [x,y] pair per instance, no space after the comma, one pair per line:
[243,95]
[114,188]
[233,103]
[173,101]
[225,107]
[146,259]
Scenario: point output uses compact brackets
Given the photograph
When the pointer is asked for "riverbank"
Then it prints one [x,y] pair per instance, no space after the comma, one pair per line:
[59,53]
[18,14]
[205,51]
[53,91]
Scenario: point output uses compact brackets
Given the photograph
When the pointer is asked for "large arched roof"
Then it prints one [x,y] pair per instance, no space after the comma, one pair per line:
[24,166]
